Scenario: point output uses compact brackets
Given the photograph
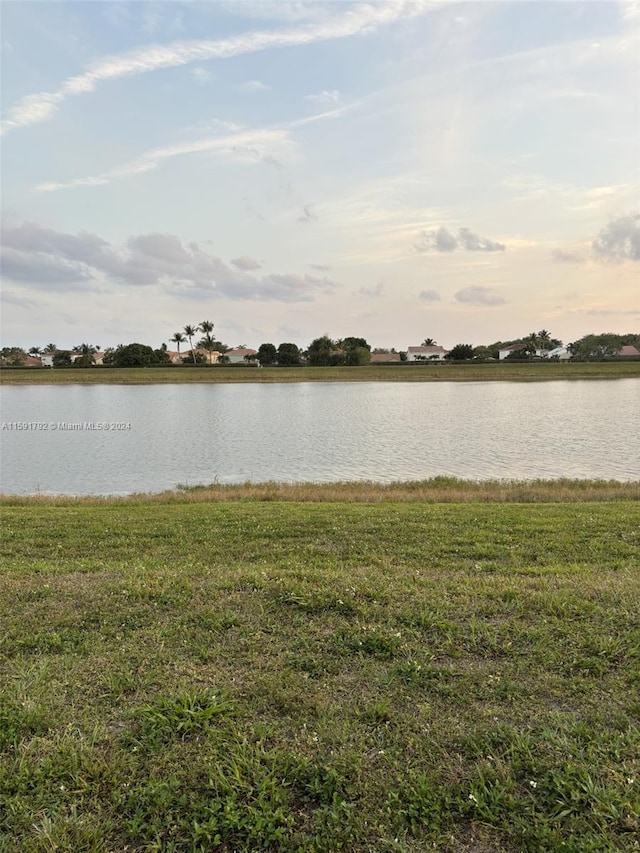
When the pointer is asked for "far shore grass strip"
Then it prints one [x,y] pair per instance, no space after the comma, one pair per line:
[266,673]
[498,372]
[434,490]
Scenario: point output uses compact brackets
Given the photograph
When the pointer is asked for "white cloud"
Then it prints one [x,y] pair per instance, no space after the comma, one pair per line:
[254,86]
[358,19]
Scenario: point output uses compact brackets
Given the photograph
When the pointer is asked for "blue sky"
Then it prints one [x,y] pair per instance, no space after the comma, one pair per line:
[396,170]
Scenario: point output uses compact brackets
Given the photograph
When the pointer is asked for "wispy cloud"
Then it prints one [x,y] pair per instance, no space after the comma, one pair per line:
[429,296]
[607,312]
[325,97]
[12,299]
[254,86]
[253,145]
[479,295]
[442,240]
[372,292]
[308,215]
[567,256]
[200,74]
[358,19]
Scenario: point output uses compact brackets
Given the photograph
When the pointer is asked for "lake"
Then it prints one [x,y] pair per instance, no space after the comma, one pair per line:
[158,436]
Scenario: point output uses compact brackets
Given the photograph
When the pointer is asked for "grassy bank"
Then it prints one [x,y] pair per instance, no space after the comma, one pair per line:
[264,674]
[434,490]
[534,372]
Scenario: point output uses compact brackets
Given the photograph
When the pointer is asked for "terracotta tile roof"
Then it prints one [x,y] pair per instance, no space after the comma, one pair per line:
[378,357]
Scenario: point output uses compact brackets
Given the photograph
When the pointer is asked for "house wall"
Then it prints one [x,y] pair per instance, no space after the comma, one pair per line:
[237,359]
[504,353]
[426,356]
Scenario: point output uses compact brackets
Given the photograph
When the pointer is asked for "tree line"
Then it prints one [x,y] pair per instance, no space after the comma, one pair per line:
[321,352]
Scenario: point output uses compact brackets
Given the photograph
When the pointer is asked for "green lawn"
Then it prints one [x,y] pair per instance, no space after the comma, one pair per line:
[536,371]
[255,674]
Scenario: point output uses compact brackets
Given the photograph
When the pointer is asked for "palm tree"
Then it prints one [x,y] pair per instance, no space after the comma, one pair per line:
[206,327]
[178,338]
[208,342]
[545,339]
[35,351]
[190,331]
[50,348]
[532,343]
[428,342]
[85,354]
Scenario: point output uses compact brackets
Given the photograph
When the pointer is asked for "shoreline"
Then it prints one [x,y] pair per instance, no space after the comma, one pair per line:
[434,490]
[498,372]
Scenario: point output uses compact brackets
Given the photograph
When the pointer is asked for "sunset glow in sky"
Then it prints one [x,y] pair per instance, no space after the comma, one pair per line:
[394,170]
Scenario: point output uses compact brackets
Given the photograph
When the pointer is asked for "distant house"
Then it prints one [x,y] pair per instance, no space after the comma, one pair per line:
[384,357]
[237,356]
[505,352]
[32,361]
[98,357]
[628,351]
[431,353]
[210,357]
[175,357]
[561,353]
[46,359]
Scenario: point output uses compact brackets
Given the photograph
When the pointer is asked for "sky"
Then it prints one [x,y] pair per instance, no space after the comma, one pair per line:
[393,170]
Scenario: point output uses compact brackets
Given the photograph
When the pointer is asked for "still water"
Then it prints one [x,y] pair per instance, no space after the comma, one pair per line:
[193,434]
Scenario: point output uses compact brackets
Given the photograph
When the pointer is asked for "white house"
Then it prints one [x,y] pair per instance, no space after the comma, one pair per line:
[506,351]
[431,353]
[561,353]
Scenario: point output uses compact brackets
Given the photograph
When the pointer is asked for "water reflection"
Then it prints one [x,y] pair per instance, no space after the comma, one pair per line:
[317,431]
